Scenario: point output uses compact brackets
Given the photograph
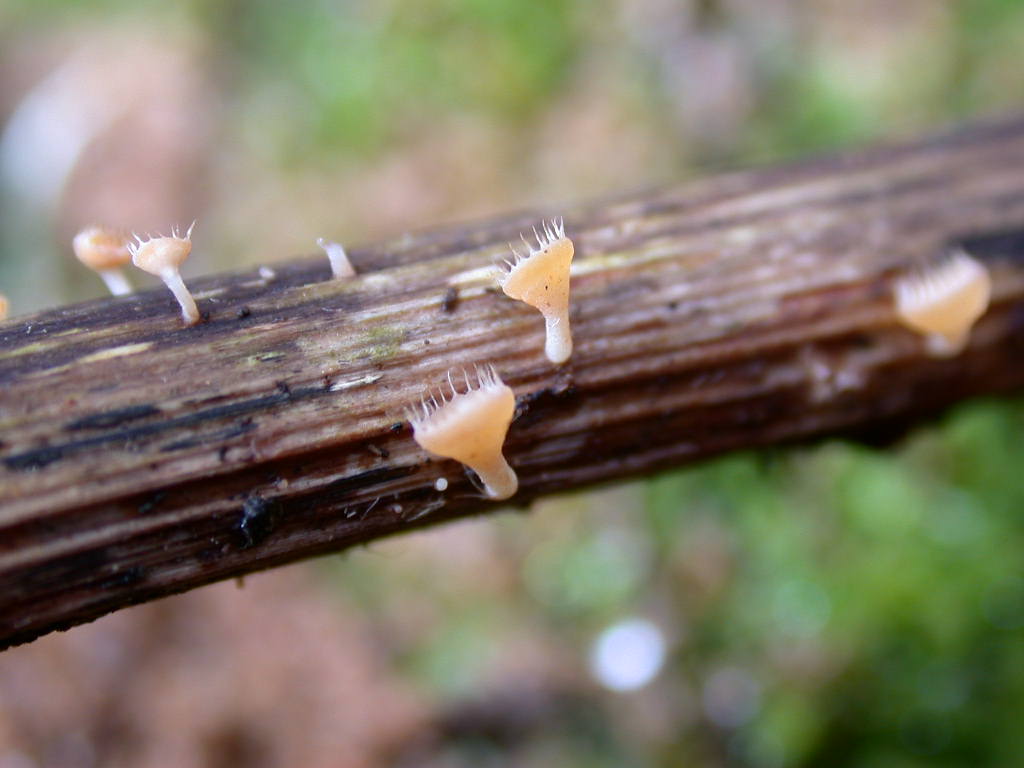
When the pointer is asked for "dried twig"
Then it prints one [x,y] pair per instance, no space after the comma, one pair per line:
[139,458]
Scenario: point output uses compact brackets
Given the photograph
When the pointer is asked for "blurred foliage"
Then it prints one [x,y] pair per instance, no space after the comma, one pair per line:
[361,72]
[896,576]
[853,607]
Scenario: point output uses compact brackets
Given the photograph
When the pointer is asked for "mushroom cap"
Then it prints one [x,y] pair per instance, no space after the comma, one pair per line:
[161,253]
[542,278]
[471,426]
[947,300]
[102,248]
[3,307]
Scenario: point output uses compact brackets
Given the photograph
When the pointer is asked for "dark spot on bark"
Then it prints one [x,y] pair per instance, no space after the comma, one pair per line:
[213,552]
[242,427]
[259,518]
[35,459]
[450,300]
[341,489]
[243,312]
[60,573]
[111,419]
[151,502]
[1016,336]
[530,407]
[398,426]
[128,437]
[1001,245]
[861,340]
[123,578]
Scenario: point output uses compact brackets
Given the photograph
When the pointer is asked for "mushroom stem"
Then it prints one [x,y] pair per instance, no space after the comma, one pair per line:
[189,311]
[499,479]
[946,344]
[341,267]
[557,338]
[117,283]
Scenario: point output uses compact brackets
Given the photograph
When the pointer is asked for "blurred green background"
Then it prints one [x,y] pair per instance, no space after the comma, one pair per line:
[833,606]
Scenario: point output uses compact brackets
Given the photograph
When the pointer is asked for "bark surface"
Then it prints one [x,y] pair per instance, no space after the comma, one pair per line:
[139,458]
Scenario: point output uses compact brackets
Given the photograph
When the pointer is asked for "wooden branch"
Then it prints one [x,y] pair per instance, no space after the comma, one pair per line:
[139,458]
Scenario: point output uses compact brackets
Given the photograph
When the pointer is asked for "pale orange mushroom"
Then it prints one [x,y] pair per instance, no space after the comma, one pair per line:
[163,256]
[470,427]
[105,251]
[3,307]
[944,303]
[541,279]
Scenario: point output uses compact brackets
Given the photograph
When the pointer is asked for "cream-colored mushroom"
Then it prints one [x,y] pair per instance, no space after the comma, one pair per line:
[541,279]
[105,251]
[341,267]
[470,427]
[944,303]
[163,256]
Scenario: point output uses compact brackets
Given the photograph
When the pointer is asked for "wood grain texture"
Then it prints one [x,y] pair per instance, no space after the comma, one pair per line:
[139,458]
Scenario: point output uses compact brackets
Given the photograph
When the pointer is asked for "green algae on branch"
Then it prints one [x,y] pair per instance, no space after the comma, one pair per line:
[382,343]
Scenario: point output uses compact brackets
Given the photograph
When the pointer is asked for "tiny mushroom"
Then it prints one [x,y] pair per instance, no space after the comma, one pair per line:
[944,302]
[341,267]
[541,279]
[3,307]
[470,427]
[105,251]
[162,256]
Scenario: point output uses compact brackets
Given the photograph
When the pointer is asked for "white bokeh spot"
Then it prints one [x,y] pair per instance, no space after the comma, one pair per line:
[628,655]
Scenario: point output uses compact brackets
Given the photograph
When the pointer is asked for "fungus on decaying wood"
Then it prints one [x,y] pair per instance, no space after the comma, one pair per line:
[470,427]
[105,251]
[3,307]
[944,302]
[162,256]
[541,279]
[341,267]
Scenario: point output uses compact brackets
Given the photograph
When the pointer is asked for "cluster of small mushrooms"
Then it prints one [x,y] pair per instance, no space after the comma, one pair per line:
[471,426]
[469,419]
[107,251]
